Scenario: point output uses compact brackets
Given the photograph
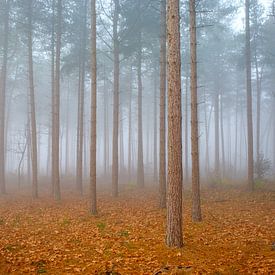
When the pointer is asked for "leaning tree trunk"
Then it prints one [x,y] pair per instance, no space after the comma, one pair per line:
[116,103]
[56,109]
[162,107]
[3,98]
[174,236]
[196,203]
[250,162]
[32,103]
[93,110]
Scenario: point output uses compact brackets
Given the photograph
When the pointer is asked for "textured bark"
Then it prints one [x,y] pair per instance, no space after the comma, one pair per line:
[93,110]
[3,81]
[116,103]
[196,203]
[80,126]
[162,107]
[140,164]
[32,103]
[250,162]
[56,109]
[174,236]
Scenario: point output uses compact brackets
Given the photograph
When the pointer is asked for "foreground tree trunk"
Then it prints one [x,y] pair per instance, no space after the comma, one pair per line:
[174,200]
[250,162]
[56,110]
[196,202]
[93,110]
[140,164]
[3,81]
[116,103]
[32,103]
[162,107]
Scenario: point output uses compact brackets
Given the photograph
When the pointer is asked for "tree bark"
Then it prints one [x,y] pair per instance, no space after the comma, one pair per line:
[3,98]
[162,108]
[196,203]
[80,127]
[174,236]
[250,163]
[116,102]
[32,103]
[56,109]
[93,110]
[140,164]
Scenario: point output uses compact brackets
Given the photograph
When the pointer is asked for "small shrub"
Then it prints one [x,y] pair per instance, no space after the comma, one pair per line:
[101,226]
[262,167]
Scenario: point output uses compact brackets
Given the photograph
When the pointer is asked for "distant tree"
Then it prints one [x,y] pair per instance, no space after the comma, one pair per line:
[3,95]
[250,162]
[81,89]
[33,135]
[116,100]
[174,196]
[196,203]
[56,109]
[162,107]
[93,110]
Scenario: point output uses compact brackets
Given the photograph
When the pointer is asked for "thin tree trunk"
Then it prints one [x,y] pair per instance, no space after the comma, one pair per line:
[196,203]
[155,157]
[56,110]
[116,103]
[222,135]
[82,57]
[3,98]
[67,160]
[140,164]
[174,236]
[53,88]
[32,103]
[186,165]
[130,128]
[162,108]
[217,136]
[250,162]
[93,110]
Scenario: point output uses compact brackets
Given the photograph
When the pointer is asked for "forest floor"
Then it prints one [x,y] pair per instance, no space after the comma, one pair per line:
[237,235]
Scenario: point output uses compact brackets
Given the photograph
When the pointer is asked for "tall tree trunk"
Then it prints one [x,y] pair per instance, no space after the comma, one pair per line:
[93,109]
[67,144]
[162,107]
[106,126]
[140,164]
[3,98]
[186,153]
[222,135]
[217,135]
[116,102]
[80,127]
[56,109]
[155,157]
[52,88]
[32,103]
[130,127]
[174,236]
[196,203]
[250,162]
